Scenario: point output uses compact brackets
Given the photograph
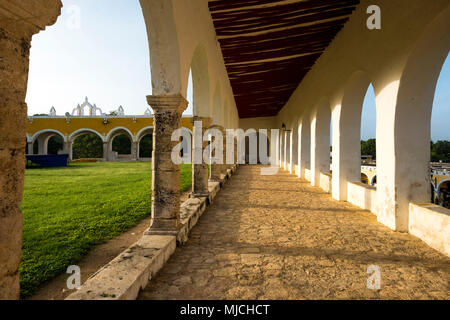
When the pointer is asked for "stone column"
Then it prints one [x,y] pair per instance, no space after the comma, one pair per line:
[200,171]
[134,151]
[19,20]
[67,149]
[224,154]
[165,174]
[105,151]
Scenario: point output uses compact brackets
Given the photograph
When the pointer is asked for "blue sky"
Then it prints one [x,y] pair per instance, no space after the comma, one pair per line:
[106,58]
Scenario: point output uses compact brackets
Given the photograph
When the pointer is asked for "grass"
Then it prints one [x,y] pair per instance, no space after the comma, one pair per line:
[66,211]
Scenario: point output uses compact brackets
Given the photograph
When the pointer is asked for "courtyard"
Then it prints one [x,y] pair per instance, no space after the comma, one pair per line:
[67,211]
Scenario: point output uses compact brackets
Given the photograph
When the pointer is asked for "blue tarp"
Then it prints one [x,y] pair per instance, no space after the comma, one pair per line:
[60,160]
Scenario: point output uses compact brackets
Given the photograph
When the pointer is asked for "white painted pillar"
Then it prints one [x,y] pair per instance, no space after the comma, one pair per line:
[304,148]
[347,136]
[67,149]
[346,150]
[105,151]
[287,148]
[293,167]
[320,144]
[29,148]
[281,149]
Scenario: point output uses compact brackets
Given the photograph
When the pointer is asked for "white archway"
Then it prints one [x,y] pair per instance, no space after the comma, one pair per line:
[113,132]
[216,107]
[82,131]
[143,132]
[140,135]
[320,140]
[45,131]
[413,109]
[346,138]
[201,82]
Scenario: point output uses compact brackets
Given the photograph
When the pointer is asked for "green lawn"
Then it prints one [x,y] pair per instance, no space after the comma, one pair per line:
[66,211]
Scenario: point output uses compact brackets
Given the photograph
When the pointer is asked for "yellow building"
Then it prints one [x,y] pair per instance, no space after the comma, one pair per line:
[106,127]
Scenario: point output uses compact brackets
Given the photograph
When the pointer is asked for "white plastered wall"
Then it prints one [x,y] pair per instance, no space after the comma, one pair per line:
[182,35]
[382,56]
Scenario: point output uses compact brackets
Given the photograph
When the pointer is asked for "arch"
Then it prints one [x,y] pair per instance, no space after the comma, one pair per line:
[200,81]
[122,144]
[445,200]
[164,46]
[216,106]
[37,134]
[441,183]
[82,131]
[413,110]
[304,146]
[346,122]
[143,133]
[114,132]
[77,148]
[139,136]
[226,115]
[320,140]
[364,178]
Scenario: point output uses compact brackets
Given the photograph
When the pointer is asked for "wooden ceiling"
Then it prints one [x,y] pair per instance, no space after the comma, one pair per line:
[270,45]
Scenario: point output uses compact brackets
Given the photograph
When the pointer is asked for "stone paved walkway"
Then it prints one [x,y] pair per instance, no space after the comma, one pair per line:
[276,237]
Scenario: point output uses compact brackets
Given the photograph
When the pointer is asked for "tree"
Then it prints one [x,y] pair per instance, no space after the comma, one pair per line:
[440,151]
[146,146]
[55,144]
[88,146]
[369,147]
[122,144]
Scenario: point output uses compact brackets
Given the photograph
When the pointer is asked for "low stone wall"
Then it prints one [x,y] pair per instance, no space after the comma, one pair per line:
[430,223]
[362,195]
[123,277]
[128,273]
[325,182]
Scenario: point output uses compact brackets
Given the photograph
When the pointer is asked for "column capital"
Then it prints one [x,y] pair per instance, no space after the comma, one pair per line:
[174,102]
[206,121]
[24,18]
